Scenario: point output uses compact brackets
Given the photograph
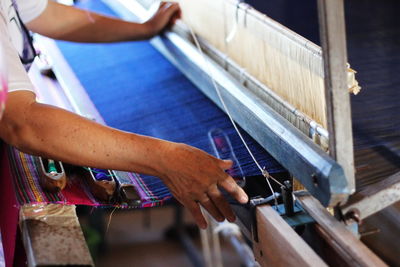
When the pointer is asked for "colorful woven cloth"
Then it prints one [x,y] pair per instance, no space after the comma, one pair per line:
[24,170]
[136,89]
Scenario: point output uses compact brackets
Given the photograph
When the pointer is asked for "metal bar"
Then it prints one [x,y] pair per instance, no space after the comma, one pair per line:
[333,41]
[300,120]
[191,250]
[375,197]
[319,173]
[73,90]
[242,249]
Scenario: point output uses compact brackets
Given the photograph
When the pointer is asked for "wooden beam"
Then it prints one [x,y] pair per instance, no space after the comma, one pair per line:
[52,236]
[375,197]
[279,244]
[352,250]
[334,52]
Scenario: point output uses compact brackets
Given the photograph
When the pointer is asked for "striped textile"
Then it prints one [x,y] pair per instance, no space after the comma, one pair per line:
[28,190]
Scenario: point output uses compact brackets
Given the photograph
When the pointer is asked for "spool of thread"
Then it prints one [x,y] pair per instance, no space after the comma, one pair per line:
[51,167]
[101,175]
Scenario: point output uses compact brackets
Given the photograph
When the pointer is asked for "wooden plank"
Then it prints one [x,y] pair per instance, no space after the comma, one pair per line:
[381,232]
[375,197]
[334,52]
[52,236]
[335,233]
[279,244]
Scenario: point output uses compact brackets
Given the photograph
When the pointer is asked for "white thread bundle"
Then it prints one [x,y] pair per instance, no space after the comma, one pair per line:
[286,62]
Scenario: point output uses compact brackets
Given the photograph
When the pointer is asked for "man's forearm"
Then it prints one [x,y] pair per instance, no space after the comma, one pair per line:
[69,23]
[192,175]
[54,133]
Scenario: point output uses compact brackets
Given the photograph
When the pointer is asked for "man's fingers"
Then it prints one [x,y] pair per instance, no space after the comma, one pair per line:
[233,189]
[225,164]
[174,12]
[169,8]
[220,202]
[211,208]
[169,12]
[194,208]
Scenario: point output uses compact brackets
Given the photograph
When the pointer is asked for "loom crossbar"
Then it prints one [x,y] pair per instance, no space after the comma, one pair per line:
[319,173]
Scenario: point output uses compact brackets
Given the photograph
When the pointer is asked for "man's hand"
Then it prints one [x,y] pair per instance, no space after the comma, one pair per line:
[193,177]
[69,23]
[166,15]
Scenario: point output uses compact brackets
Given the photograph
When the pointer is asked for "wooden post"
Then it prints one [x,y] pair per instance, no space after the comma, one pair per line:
[333,42]
[279,244]
[52,236]
[345,244]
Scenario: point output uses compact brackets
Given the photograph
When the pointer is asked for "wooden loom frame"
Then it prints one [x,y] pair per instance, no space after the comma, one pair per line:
[347,246]
[319,173]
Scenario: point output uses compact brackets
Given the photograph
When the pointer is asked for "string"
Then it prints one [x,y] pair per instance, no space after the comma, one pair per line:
[263,171]
[109,220]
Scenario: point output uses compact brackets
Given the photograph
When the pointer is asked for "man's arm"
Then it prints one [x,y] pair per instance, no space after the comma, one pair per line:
[191,174]
[68,23]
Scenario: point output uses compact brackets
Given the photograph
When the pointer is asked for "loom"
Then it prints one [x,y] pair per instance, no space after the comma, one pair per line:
[289,96]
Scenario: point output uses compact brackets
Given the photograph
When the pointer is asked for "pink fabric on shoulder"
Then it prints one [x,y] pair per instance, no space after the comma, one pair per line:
[3,82]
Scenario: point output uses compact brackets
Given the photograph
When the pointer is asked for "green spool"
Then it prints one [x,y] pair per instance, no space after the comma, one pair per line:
[51,167]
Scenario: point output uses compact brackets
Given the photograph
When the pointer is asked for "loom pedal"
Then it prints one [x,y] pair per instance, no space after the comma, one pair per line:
[52,176]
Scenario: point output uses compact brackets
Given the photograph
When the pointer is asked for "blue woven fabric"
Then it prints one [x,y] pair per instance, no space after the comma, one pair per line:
[137,90]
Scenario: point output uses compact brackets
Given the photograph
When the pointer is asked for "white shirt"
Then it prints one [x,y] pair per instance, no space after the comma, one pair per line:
[12,39]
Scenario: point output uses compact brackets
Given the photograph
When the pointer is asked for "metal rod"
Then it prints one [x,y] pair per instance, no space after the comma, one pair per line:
[242,249]
[184,239]
[318,172]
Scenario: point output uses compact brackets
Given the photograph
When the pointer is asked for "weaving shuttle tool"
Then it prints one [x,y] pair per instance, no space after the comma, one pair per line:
[101,183]
[126,190]
[52,174]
